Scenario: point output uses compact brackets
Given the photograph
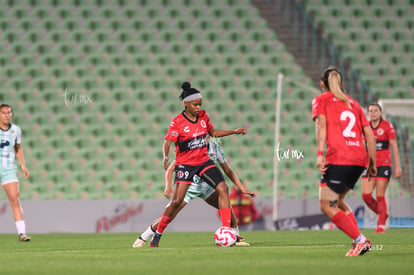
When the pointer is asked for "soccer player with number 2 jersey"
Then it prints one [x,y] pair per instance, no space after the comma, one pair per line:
[189,131]
[340,125]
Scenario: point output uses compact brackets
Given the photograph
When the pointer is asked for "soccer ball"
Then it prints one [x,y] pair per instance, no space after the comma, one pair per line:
[225,236]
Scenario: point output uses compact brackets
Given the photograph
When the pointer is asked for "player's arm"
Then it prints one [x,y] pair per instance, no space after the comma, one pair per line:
[320,132]
[222,133]
[168,179]
[166,151]
[396,154]
[20,158]
[235,179]
[372,150]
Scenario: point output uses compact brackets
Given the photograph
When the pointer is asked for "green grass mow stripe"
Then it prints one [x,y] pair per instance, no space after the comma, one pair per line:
[271,252]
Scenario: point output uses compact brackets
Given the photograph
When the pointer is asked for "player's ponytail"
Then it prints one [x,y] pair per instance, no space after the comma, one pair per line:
[332,80]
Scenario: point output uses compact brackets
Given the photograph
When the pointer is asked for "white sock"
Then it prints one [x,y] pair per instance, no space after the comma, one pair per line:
[360,239]
[21,227]
[236,228]
[147,233]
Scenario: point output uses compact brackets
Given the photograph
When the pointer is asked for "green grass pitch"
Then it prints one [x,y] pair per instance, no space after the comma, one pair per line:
[271,252]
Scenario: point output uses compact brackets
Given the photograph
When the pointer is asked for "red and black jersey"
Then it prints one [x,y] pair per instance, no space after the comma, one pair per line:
[344,129]
[383,133]
[190,138]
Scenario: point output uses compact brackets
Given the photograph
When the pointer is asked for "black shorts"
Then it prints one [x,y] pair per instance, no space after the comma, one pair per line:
[208,172]
[339,177]
[383,173]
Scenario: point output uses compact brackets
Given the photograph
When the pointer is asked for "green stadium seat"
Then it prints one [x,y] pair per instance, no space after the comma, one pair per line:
[133,68]
[375,25]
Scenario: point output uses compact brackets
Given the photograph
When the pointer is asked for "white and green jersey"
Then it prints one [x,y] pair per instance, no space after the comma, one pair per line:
[199,188]
[8,139]
[216,153]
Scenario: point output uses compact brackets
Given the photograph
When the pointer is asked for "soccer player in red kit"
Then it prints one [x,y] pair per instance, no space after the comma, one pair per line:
[340,124]
[385,138]
[189,131]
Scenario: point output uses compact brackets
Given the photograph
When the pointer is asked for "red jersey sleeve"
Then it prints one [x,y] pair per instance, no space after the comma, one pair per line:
[172,133]
[318,107]
[391,131]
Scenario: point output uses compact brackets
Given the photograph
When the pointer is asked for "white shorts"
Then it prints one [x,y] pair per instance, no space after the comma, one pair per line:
[198,190]
[8,175]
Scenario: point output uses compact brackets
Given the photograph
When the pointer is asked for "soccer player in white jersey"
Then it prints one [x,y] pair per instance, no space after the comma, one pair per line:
[10,150]
[201,189]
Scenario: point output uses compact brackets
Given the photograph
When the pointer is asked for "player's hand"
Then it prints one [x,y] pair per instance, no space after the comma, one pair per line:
[167,192]
[371,170]
[165,161]
[249,193]
[240,131]
[320,164]
[26,172]
[397,173]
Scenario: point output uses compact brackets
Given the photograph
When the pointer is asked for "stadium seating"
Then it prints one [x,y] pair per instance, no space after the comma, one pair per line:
[377,38]
[94,86]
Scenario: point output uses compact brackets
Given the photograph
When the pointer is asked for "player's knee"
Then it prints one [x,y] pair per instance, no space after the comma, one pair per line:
[176,202]
[222,188]
[14,201]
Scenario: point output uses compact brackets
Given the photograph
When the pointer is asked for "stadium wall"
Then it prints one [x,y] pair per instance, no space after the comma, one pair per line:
[102,216]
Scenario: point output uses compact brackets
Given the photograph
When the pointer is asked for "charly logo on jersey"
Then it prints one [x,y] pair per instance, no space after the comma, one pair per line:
[4,144]
[380,131]
[186,129]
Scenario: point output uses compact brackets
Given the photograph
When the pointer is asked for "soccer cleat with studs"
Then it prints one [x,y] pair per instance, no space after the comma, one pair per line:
[138,242]
[359,249]
[241,241]
[155,240]
[24,238]
[380,229]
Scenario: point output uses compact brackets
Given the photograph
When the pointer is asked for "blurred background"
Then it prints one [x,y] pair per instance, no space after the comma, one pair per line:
[94,85]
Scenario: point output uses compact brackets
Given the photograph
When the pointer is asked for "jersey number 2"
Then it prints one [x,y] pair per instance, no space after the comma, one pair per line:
[347,132]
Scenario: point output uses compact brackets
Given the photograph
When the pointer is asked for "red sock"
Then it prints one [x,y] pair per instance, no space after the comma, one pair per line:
[382,210]
[344,223]
[351,216]
[225,215]
[163,223]
[371,202]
